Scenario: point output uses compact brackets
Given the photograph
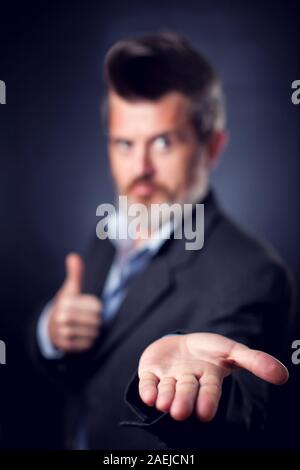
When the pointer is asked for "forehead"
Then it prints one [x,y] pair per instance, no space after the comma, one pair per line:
[145,117]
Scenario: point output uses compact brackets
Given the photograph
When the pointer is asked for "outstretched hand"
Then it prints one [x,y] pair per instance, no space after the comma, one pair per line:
[182,374]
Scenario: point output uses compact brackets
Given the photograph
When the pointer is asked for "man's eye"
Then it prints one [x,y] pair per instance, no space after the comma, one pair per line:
[123,145]
[162,143]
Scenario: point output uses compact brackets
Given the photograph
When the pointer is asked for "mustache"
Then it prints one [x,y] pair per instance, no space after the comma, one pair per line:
[147,180]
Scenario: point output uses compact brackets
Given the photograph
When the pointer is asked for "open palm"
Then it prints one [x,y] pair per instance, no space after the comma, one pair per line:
[182,374]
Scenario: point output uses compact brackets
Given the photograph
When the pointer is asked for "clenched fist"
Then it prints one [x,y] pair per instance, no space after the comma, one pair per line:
[75,318]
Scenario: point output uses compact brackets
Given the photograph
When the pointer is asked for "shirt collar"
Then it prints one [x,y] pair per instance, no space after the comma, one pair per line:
[117,223]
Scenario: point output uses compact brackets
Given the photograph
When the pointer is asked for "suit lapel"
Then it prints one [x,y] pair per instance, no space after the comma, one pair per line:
[144,291]
[98,262]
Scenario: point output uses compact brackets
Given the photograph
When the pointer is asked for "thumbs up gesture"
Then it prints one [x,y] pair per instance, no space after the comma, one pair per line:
[75,318]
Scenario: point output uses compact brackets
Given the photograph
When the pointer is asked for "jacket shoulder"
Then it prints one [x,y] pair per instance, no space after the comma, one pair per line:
[241,261]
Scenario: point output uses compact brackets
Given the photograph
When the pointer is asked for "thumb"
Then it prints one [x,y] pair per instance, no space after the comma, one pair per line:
[74,274]
[261,364]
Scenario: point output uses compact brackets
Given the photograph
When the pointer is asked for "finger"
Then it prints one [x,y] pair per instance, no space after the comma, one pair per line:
[87,319]
[80,343]
[261,364]
[88,302]
[74,274]
[148,387]
[80,302]
[74,309]
[75,344]
[166,393]
[209,396]
[187,387]
[78,317]
[78,332]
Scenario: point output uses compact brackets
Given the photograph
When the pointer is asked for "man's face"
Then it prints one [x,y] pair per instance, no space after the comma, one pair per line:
[153,149]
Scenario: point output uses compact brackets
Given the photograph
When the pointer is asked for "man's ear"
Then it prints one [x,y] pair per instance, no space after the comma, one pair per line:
[215,146]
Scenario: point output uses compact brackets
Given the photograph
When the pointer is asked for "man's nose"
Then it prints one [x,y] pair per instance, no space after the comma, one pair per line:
[143,164]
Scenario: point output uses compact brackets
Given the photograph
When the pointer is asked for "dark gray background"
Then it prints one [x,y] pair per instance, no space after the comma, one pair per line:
[54,169]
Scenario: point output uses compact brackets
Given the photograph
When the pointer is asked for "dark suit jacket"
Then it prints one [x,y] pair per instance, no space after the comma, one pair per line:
[234,286]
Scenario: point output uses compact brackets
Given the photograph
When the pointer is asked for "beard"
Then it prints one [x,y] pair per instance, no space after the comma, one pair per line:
[161,205]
